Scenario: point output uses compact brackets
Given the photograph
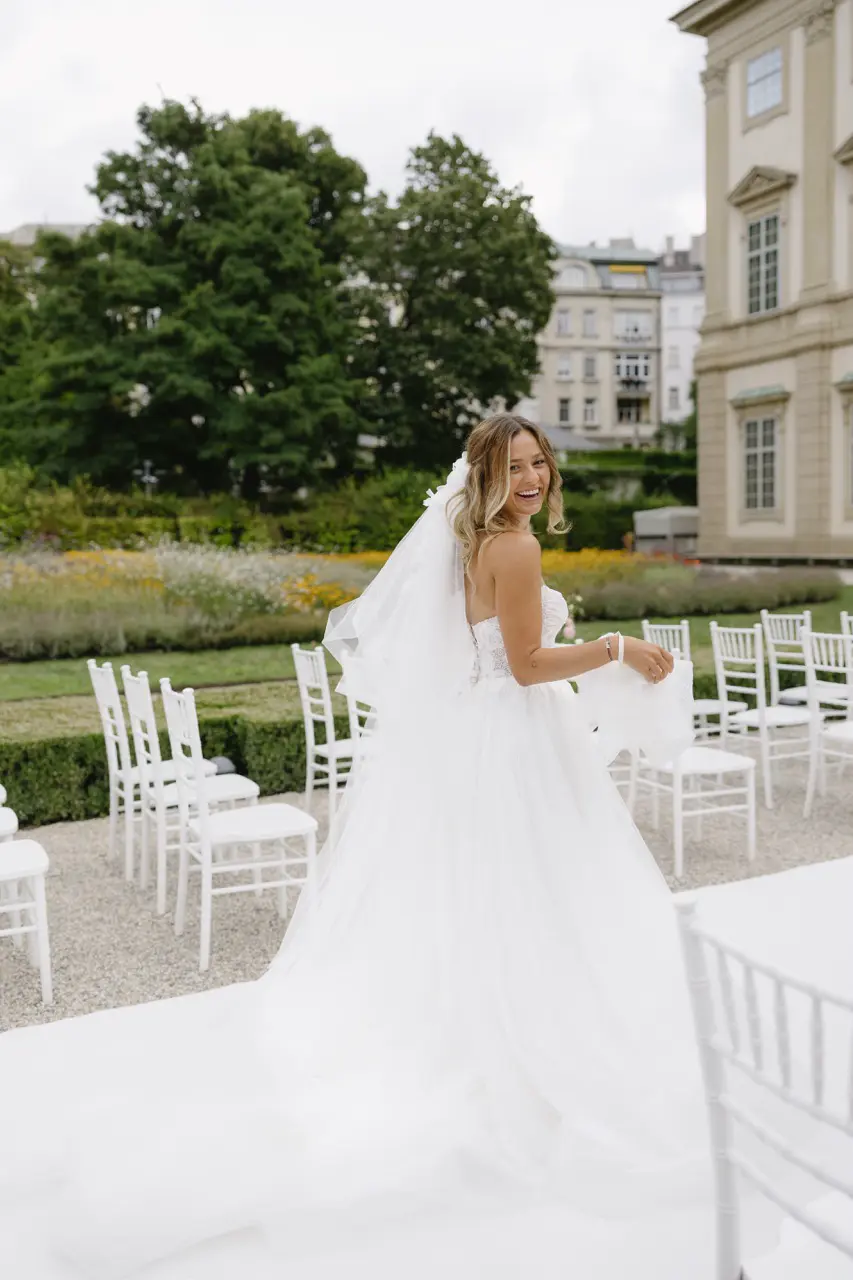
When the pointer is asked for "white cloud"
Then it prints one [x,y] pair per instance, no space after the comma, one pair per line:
[596,110]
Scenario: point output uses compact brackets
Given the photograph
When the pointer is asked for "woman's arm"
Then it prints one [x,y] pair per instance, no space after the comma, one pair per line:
[514,559]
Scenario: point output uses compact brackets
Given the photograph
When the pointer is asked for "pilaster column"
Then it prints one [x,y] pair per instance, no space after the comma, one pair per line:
[715,81]
[818,145]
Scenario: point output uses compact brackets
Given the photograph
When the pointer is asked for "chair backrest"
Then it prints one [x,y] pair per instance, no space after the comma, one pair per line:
[672,636]
[792,1041]
[112,718]
[847,622]
[783,638]
[187,753]
[143,728]
[314,692]
[828,653]
[739,666]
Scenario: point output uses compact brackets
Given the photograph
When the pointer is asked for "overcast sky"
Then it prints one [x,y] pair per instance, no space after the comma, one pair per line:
[593,106]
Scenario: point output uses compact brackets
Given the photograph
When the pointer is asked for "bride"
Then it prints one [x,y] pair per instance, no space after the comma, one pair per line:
[475,1038]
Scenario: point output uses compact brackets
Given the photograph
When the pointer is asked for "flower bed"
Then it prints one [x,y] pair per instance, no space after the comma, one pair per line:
[202,597]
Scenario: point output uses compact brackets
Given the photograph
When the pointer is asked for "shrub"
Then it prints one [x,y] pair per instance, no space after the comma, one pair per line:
[679,594]
[65,779]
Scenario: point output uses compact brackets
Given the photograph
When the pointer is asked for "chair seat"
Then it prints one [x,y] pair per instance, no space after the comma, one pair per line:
[8,823]
[21,858]
[799,694]
[259,823]
[168,772]
[775,717]
[341,748]
[835,730]
[224,788]
[714,706]
[700,760]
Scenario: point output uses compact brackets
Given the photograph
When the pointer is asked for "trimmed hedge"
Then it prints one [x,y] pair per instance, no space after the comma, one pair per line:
[65,779]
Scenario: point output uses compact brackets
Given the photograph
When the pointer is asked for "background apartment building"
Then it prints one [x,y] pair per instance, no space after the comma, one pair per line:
[682,273]
[600,354]
[775,365]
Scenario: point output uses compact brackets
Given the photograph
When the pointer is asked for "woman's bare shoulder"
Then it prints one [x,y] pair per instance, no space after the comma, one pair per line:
[517,549]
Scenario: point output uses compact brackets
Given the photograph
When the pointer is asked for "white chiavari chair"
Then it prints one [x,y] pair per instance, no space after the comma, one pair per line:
[287,833]
[739,665]
[330,760]
[829,675]
[765,1038]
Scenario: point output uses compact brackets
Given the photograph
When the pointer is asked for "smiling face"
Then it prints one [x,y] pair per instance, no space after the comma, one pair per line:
[529,477]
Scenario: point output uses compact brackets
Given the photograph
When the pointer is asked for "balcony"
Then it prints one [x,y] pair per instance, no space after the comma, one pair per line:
[634,337]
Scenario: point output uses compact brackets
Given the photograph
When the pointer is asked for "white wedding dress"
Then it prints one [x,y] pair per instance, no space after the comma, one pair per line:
[474,1053]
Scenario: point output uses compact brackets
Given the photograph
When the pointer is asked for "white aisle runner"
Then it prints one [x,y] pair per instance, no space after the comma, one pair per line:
[798,920]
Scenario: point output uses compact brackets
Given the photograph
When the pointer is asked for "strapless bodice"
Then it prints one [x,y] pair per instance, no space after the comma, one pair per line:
[492,661]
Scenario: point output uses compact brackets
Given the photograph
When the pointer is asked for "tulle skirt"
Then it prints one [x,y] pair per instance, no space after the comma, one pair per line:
[478,1034]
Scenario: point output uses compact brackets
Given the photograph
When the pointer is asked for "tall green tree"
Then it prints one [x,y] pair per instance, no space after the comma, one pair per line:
[456,284]
[17,291]
[200,325]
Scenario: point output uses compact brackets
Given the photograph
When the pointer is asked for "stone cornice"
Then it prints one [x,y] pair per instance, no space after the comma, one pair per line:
[704,16]
[761,181]
[761,396]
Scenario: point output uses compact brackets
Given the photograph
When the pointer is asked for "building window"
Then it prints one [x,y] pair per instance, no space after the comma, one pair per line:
[564,322]
[762,246]
[672,315]
[589,324]
[590,412]
[633,366]
[674,400]
[564,368]
[572,278]
[628,278]
[697,316]
[564,412]
[764,83]
[589,367]
[760,464]
[633,326]
[673,358]
[632,411]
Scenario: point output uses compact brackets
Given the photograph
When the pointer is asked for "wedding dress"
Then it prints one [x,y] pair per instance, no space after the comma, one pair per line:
[475,1041]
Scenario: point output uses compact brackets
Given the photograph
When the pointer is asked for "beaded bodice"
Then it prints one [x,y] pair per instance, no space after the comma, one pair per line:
[492,661]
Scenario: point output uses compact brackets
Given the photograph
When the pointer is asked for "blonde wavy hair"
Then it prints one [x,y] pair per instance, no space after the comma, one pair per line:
[477,513]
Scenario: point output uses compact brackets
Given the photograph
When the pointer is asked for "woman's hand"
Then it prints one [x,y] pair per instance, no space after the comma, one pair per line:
[650,660]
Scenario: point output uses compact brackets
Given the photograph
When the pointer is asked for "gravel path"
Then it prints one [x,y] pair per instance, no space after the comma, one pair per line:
[110,949]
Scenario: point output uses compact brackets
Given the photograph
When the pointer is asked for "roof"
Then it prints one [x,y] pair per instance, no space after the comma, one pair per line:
[705,16]
[602,255]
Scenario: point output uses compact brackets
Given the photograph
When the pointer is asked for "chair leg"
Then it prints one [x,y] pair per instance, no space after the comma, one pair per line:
[162,865]
[206,914]
[42,940]
[333,796]
[144,861]
[678,823]
[257,873]
[183,880]
[765,770]
[129,793]
[309,782]
[814,770]
[14,916]
[750,815]
[113,830]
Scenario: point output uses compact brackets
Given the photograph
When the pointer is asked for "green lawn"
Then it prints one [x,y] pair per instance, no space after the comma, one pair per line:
[62,685]
[65,677]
